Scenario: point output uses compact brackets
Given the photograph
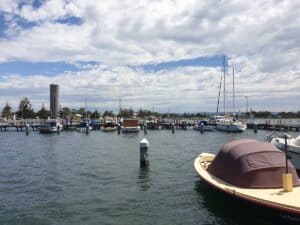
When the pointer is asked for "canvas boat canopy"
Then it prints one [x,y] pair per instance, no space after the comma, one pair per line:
[249,163]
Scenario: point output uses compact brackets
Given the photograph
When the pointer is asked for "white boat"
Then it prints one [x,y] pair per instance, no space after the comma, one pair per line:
[293,148]
[109,126]
[230,125]
[50,126]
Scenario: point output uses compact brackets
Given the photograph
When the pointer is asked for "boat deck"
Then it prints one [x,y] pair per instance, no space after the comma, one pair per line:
[275,198]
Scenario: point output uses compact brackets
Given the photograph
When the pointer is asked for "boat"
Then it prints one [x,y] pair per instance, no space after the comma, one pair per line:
[84,125]
[50,126]
[205,125]
[130,126]
[253,172]
[109,126]
[293,148]
[229,124]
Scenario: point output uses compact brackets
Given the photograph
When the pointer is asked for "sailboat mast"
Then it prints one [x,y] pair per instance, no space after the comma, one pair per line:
[85,107]
[224,85]
[219,94]
[233,93]
[120,98]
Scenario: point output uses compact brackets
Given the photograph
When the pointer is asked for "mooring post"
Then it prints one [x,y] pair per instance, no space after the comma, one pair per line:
[87,130]
[201,128]
[144,146]
[255,127]
[145,127]
[119,128]
[173,128]
[27,129]
[58,129]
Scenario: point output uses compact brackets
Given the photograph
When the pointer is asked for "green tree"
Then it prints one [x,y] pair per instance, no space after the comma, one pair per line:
[127,113]
[108,113]
[43,113]
[25,109]
[6,111]
[95,114]
[65,111]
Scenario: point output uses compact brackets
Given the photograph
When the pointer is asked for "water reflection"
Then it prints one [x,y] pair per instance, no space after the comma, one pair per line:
[144,180]
[228,210]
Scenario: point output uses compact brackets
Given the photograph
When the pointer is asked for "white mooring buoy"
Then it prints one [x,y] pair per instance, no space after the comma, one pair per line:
[27,129]
[144,146]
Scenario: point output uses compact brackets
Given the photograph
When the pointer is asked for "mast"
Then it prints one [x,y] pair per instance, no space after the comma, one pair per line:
[219,93]
[224,84]
[233,93]
[120,99]
[85,107]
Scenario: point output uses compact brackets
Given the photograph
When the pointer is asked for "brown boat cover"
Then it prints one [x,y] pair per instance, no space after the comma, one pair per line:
[251,164]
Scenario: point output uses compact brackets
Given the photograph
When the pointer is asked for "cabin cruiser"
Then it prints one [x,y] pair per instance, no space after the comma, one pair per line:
[109,126]
[51,126]
[205,125]
[130,126]
[254,172]
[84,126]
[293,148]
[231,125]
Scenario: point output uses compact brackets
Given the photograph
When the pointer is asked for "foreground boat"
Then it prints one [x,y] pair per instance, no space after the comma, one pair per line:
[293,148]
[253,171]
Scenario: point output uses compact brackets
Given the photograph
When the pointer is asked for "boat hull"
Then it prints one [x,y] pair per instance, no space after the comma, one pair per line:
[109,129]
[293,151]
[243,194]
[130,129]
[231,128]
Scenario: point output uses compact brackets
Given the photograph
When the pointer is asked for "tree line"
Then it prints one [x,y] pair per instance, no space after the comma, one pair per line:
[26,111]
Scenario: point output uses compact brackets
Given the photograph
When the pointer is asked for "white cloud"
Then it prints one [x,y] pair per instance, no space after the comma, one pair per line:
[261,38]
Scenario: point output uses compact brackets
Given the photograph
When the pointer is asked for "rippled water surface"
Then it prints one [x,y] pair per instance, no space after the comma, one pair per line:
[73,178]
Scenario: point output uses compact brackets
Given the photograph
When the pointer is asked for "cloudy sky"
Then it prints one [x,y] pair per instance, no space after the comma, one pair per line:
[165,55]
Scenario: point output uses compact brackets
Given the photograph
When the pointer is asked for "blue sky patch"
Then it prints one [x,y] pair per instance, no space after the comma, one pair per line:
[72,20]
[40,68]
[206,61]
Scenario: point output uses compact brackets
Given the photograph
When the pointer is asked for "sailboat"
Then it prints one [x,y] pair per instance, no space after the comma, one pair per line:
[230,124]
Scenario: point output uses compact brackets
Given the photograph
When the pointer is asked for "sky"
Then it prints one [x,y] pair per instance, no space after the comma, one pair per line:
[164,55]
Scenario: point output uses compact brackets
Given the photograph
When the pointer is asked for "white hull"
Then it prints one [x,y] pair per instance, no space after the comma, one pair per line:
[231,127]
[205,128]
[293,150]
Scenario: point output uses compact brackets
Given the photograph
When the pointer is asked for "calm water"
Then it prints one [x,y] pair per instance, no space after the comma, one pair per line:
[72,178]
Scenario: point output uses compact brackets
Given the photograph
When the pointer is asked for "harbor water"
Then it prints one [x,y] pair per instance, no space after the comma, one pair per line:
[74,178]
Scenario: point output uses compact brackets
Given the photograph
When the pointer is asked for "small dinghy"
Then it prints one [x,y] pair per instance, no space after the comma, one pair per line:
[255,172]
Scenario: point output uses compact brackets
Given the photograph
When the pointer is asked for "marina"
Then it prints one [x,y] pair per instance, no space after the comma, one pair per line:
[97,179]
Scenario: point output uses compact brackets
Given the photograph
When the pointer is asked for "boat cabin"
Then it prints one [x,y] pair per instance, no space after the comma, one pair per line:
[249,163]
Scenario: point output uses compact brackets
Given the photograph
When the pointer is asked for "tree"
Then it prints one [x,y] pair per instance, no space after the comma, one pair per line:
[126,113]
[6,111]
[65,111]
[95,114]
[25,109]
[108,113]
[43,113]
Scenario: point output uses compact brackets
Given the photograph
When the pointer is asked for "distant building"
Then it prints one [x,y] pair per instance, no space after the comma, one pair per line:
[54,100]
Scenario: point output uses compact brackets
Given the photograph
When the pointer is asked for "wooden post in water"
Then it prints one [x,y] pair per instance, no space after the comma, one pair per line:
[27,129]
